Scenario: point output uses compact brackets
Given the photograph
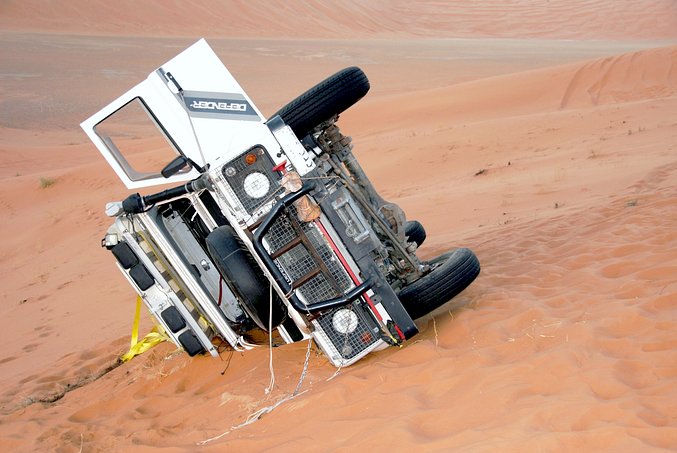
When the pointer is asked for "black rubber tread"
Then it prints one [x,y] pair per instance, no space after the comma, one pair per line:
[326,99]
[190,343]
[415,232]
[451,274]
[141,276]
[173,319]
[124,254]
[242,274]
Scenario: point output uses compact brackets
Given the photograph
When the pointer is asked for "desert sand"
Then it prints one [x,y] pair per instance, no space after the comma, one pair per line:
[542,135]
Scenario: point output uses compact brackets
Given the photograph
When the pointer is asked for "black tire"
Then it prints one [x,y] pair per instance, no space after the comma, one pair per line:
[242,274]
[451,274]
[326,99]
[415,232]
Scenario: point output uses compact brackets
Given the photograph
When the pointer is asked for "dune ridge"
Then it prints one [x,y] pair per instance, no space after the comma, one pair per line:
[630,77]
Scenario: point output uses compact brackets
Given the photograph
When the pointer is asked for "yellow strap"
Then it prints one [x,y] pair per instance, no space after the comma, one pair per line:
[155,336]
[135,325]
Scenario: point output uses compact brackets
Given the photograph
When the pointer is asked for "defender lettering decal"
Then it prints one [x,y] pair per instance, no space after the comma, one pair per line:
[219,105]
[212,105]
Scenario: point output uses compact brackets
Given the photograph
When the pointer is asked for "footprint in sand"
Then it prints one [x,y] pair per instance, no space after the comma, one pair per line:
[30,347]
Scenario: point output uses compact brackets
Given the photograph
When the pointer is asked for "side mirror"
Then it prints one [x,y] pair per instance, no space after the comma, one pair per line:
[175,166]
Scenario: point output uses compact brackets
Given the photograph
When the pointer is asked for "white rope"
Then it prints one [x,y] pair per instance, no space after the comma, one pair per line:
[305,368]
[336,373]
[252,418]
[270,344]
[265,410]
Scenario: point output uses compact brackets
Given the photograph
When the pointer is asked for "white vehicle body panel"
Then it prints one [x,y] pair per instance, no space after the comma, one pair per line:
[188,113]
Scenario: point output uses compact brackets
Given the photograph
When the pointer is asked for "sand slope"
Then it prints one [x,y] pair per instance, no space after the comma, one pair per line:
[562,179]
[565,341]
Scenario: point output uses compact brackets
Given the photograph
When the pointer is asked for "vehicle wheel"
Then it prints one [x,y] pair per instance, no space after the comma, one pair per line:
[326,99]
[242,274]
[451,273]
[415,232]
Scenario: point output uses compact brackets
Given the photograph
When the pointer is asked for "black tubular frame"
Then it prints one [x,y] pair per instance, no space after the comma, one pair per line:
[261,251]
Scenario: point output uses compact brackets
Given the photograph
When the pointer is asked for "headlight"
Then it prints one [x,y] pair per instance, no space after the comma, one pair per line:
[256,185]
[344,321]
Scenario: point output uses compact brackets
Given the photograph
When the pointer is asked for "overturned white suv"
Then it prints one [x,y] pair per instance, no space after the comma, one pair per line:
[274,229]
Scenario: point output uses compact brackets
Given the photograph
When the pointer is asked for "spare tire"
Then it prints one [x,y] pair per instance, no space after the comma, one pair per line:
[244,277]
[326,99]
[451,273]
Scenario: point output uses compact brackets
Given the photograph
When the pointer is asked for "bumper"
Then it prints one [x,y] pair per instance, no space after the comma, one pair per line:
[376,313]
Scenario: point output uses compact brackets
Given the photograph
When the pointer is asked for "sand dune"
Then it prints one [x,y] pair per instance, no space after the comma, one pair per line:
[637,76]
[562,179]
[571,19]
[542,139]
